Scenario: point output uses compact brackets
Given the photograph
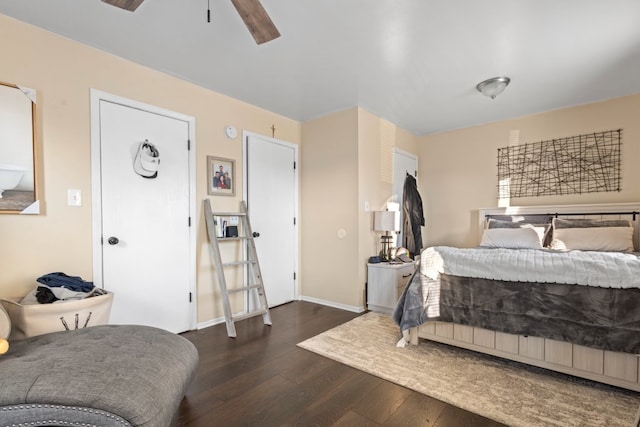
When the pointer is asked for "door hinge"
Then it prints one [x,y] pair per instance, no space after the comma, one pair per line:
[294,220]
[294,165]
[190,297]
[189,221]
[294,275]
[188,145]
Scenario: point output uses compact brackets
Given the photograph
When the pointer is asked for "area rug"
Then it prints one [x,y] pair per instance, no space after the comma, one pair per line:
[504,391]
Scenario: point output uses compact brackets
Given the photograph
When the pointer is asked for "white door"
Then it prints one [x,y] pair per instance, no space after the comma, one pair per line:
[403,163]
[272,203]
[145,221]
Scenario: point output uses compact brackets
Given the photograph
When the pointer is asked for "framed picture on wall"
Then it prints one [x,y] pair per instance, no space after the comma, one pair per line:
[221,176]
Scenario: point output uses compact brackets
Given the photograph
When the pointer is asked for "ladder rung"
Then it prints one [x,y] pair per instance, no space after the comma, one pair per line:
[242,289]
[229,264]
[226,239]
[229,213]
[248,315]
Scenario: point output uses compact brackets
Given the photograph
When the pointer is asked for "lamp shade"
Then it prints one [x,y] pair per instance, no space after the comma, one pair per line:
[384,221]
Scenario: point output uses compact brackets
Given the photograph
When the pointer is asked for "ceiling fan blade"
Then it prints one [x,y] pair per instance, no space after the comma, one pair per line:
[256,19]
[130,5]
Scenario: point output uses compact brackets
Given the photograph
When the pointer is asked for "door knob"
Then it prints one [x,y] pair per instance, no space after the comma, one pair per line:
[256,234]
[113,240]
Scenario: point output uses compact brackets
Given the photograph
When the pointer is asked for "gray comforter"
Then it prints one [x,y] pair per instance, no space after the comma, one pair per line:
[596,317]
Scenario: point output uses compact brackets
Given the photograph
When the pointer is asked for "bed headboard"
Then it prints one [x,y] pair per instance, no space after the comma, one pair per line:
[630,211]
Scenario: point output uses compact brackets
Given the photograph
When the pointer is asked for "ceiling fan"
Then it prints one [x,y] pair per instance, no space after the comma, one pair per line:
[251,11]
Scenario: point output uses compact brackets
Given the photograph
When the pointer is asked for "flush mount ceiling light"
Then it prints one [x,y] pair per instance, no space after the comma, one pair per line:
[493,87]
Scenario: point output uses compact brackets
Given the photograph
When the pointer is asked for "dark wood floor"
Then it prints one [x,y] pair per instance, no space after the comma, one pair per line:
[261,378]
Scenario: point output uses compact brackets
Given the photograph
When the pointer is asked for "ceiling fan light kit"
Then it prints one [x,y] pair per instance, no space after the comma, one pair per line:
[493,87]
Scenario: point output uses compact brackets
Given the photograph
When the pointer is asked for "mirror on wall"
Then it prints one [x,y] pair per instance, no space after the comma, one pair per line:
[17,150]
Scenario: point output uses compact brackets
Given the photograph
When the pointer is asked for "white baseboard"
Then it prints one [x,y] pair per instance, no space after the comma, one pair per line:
[215,321]
[218,320]
[209,323]
[332,304]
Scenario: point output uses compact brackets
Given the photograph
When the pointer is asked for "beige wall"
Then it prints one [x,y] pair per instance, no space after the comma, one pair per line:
[458,172]
[376,140]
[358,146]
[329,181]
[374,186]
[62,72]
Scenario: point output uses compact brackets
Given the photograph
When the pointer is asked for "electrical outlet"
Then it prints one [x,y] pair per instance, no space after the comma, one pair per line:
[233,220]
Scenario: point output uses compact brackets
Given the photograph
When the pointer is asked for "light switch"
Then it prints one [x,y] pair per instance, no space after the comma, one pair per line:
[74,197]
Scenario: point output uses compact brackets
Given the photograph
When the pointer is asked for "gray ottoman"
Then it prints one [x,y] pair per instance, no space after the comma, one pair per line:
[111,375]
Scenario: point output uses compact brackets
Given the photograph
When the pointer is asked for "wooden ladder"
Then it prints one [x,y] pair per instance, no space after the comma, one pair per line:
[218,234]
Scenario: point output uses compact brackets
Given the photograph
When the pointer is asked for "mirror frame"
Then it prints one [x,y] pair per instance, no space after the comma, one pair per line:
[29,203]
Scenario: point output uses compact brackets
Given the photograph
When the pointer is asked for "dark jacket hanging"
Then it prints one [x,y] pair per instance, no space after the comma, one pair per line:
[413,216]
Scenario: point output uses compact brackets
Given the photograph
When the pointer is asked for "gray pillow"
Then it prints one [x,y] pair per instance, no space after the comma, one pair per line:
[523,219]
[589,223]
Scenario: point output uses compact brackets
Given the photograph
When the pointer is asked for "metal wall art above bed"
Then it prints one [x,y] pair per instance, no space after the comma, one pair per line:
[574,165]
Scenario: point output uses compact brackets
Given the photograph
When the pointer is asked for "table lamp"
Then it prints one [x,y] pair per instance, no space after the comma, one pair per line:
[385,221]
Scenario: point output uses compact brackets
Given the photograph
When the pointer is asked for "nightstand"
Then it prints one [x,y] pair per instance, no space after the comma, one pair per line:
[385,283]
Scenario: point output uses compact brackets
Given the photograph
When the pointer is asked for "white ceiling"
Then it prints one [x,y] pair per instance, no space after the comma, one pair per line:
[412,62]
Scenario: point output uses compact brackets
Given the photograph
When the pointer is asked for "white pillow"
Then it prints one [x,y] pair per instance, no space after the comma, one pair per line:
[5,323]
[541,229]
[618,239]
[511,238]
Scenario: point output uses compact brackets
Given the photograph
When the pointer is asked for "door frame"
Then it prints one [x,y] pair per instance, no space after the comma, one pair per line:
[296,177]
[96,186]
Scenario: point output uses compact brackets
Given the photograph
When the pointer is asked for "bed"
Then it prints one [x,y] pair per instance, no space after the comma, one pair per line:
[556,287]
